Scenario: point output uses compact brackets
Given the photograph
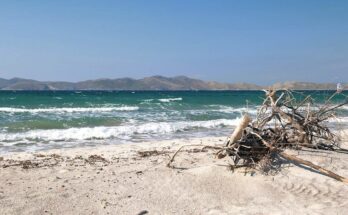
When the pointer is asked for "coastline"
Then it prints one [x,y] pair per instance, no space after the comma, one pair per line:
[134,179]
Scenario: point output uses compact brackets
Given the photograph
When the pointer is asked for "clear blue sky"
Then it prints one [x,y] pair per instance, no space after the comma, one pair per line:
[230,41]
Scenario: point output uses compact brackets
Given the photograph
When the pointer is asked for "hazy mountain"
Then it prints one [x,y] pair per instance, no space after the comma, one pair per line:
[304,85]
[150,83]
[3,83]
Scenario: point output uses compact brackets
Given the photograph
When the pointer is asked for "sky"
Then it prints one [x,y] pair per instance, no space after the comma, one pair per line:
[231,41]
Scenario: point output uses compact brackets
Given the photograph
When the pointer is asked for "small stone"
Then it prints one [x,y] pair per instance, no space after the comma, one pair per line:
[143,212]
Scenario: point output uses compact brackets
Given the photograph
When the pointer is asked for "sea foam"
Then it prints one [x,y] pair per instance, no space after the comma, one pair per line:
[228,109]
[123,132]
[170,99]
[67,109]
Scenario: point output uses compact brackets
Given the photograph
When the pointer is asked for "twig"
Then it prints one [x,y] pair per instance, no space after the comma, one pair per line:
[204,147]
[314,166]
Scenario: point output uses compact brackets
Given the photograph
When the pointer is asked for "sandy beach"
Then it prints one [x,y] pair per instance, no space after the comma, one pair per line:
[134,179]
[173,107]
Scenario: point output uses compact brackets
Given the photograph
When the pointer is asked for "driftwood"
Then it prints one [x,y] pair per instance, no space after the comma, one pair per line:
[238,132]
[314,166]
[282,122]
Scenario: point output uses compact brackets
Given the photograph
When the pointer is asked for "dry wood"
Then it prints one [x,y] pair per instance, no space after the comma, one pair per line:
[281,122]
[238,132]
[169,164]
[305,162]
[314,166]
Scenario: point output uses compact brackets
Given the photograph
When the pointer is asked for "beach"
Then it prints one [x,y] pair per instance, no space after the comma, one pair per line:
[134,179]
[168,107]
[107,153]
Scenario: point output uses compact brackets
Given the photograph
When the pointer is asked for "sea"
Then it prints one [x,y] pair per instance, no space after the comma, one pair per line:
[42,120]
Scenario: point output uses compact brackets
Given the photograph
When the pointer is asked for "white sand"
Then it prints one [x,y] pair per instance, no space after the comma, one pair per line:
[130,184]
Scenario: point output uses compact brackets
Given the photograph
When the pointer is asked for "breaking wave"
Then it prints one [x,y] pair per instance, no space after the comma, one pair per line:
[344,107]
[123,132]
[67,110]
[170,99]
[228,109]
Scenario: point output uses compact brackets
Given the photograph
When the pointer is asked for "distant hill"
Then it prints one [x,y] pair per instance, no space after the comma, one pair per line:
[304,85]
[151,83]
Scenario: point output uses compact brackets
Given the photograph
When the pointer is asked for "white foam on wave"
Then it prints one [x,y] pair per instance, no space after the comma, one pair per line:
[228,109]
[345,107]
[148,100]
[125,132]
[339,120]
[170,99]
[67,109]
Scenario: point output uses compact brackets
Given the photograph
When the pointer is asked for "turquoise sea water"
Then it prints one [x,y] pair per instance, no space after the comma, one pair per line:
[33,120]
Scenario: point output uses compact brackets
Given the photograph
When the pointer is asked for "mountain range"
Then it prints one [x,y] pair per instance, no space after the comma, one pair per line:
[151,83]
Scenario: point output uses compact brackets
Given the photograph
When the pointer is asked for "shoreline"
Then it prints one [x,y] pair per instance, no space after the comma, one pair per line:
[134,179]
